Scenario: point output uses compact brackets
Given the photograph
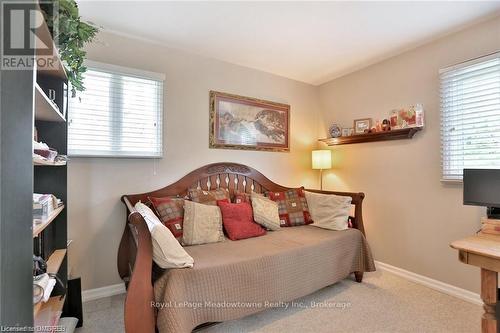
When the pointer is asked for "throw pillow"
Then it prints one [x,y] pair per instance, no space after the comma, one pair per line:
[292,206]
[202,224]
[329,211]
[208,197]
[171,213]
[238,220]
[265,212]
[240,197]
[167,252]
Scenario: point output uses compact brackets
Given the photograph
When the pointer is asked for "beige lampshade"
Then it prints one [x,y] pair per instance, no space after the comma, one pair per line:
[321,159]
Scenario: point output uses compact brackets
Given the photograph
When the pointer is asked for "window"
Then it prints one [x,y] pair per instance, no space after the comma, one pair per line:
[470,116]
[118,115]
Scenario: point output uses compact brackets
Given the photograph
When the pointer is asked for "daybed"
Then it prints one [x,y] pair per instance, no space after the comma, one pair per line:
[232,279]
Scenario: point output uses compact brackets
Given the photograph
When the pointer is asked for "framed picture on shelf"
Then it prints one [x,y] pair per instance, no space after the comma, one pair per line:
[360,125]
[346,131]
[238,122]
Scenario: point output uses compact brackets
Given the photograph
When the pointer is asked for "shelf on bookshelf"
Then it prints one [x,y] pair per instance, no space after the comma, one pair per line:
[53,66]
[54,305]
[38,228]
[45,109]
[405,133]
[47,163]
[55,261]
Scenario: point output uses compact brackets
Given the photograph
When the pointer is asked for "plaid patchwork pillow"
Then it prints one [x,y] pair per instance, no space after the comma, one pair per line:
[171,213]
[208,197]
[292,207]
[240,197]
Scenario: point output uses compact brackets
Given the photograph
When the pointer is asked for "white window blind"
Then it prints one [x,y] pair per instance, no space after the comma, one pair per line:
[470,116]
[118,115]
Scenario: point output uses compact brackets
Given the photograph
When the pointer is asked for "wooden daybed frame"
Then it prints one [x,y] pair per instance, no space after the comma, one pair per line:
[135,261]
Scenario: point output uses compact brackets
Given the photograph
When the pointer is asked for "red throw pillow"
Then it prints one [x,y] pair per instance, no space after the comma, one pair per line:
[238,220]
[171,213]
[292,207]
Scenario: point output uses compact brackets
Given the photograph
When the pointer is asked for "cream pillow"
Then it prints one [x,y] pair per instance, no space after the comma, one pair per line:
[202,224]
[265,212]
[167,252]
[329,211]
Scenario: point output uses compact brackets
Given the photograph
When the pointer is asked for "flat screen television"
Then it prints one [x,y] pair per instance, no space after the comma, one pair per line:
[482,188]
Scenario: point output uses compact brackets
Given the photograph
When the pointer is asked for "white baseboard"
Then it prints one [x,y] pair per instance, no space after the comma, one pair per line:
[97,293]
[463,294]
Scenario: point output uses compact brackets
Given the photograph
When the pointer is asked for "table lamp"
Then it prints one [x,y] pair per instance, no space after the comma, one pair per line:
[321,159]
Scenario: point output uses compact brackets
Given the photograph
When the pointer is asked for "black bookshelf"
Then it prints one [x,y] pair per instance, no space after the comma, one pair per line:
[50,121]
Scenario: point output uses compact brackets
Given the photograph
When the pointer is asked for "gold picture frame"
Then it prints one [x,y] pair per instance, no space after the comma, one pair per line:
[240,122]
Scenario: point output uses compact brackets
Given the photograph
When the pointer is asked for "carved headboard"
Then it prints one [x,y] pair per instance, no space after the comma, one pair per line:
[235,177]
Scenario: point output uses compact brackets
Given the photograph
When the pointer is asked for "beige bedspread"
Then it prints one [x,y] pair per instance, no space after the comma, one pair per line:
[233,279]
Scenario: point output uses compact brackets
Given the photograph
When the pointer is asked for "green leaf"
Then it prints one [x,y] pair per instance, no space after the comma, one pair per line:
[73,35]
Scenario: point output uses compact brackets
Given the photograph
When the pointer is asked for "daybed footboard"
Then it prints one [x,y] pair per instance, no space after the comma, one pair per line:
[140,315]
[135,261]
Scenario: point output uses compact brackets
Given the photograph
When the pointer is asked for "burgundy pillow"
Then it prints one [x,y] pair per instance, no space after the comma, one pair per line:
[238,220]
[292,207]
[171,213]
[240,197]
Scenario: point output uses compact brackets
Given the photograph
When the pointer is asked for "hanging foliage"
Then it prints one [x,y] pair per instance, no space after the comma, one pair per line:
[71,34]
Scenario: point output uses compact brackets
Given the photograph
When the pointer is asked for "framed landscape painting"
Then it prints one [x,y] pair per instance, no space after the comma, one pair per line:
[238,122]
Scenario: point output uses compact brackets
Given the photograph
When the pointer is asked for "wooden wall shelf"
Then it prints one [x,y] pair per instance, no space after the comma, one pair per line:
[405,133]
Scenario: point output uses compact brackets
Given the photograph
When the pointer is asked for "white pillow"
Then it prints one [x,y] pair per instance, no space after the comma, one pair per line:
[329,211]
[167,252]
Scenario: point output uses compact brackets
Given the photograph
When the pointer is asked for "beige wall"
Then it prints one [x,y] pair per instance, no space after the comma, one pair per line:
[96,217]
[410,215]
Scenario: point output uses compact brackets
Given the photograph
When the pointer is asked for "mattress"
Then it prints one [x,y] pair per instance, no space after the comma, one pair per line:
[233,279]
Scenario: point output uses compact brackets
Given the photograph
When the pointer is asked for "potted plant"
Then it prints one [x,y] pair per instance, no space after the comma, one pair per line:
[72,35]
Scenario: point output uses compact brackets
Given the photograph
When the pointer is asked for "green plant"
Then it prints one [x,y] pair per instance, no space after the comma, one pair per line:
[72,34]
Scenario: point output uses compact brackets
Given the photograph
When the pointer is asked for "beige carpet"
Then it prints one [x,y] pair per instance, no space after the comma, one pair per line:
[382,303]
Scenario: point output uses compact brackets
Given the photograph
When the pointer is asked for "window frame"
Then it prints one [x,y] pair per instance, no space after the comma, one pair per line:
[131,72]
[458,66]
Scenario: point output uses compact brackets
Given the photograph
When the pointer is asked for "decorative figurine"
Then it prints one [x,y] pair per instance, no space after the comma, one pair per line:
[335,131]
[386,125]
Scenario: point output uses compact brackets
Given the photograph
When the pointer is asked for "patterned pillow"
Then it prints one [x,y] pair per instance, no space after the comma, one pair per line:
[240,197]
[208,197]
[292,207]
[171,213]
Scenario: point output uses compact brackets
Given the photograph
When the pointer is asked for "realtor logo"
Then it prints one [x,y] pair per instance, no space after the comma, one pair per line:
[25,39]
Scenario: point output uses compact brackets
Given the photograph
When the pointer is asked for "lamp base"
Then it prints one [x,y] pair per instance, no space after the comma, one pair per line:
[321,179]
